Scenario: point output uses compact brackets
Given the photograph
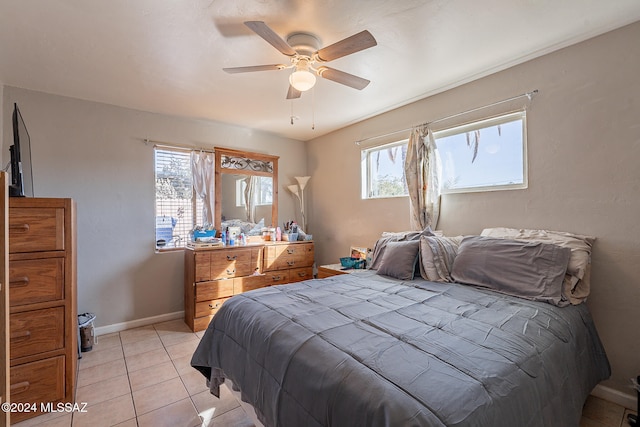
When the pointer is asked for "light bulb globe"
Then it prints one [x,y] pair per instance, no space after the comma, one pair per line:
[302,80]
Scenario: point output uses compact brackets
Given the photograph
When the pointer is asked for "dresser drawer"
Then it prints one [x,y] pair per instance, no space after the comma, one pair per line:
[36,229]
[276,277]
[231,263]
[36,331]
[202,266]
[209,308]
[214,290]
[223,264]
[36,280]
[300,274]
[224,258]
[249,283]
[289,256]
[231,269]
[37,382]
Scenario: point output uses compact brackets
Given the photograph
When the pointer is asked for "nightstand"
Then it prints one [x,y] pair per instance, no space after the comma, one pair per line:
[331,270]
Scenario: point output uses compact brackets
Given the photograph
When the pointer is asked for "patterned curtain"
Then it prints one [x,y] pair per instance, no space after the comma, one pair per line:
[422,173]
[203,175]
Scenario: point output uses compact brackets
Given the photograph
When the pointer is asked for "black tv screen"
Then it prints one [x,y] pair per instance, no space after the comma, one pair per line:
[21,172]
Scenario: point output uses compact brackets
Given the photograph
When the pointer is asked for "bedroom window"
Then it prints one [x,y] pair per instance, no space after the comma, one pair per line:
[178,209]
[484,155]
[382,171]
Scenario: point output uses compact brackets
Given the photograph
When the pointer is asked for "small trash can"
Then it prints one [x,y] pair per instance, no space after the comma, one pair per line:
[85,325]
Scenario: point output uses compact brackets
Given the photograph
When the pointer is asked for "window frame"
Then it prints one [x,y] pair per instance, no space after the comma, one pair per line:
[366,172]
[196,207]
[365,155]
[481,124]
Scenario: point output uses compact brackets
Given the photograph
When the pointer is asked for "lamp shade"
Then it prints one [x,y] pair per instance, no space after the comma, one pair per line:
[302,80]
[294,189]
[302,181]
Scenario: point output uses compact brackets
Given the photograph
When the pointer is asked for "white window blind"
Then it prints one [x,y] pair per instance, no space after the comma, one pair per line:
[178,209]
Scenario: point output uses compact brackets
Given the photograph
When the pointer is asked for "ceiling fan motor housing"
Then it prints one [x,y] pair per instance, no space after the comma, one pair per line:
[304,43]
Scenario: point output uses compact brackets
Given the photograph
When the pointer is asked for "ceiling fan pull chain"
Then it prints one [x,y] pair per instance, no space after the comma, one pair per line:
[313,109]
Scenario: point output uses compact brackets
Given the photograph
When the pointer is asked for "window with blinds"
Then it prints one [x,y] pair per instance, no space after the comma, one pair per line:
[178,209]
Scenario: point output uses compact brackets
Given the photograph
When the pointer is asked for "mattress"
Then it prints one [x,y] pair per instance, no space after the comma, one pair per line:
[366,350]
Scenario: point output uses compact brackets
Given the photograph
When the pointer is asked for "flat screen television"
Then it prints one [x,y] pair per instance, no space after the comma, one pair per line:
[21,172]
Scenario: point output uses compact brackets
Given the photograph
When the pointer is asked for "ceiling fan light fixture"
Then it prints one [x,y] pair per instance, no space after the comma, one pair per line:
[304,52]
[302,80]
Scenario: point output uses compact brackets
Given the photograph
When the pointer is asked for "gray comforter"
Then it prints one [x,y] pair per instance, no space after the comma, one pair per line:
[366,350]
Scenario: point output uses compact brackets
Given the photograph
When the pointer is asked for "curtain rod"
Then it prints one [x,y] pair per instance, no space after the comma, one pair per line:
[528,95]
[148,141]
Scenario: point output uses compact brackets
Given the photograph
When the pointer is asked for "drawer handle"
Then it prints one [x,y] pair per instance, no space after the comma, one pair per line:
[20,336]
[232,258]
[19,282]
[276,278]
[230,272]
[19,227]
[302,274]
[20,387]
[213,307]
[290,251]
[290,263]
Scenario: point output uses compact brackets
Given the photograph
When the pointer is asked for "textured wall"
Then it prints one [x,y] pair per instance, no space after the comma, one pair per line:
[94,153]
[583,151]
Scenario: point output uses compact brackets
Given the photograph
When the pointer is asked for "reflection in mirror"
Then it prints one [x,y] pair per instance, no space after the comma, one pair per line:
[236,190]
[246,190]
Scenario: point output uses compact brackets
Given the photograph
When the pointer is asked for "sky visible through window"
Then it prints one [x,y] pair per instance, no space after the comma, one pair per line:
[498,161]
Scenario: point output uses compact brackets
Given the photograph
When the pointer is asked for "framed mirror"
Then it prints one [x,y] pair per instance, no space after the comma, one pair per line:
[246,190]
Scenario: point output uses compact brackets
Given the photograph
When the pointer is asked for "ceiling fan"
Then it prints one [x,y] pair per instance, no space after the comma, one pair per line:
[304,52]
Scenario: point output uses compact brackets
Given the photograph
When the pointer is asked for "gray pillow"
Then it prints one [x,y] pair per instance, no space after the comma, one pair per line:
[577,284]
[530,270]
[399,259]
[381,245]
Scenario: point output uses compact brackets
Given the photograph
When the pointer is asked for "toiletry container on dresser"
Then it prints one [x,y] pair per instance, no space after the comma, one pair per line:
[42,298]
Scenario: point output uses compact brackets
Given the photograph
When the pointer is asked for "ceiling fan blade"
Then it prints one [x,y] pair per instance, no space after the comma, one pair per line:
[261,29]
[355,43]
[343,78]
[293,93]
[234,70]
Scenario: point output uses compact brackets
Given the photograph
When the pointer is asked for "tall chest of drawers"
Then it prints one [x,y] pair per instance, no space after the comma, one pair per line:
[213,275]
[42,298]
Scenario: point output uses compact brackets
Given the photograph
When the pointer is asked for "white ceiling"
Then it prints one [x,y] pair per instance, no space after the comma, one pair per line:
[166,56]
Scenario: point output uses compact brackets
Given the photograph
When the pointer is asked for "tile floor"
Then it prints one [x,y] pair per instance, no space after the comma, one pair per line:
[142,377]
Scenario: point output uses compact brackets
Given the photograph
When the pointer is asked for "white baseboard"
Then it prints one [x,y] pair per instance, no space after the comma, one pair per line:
[629,401]
[117,327]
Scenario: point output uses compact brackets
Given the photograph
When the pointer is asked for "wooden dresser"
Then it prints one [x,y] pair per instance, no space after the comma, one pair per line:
[43,320]
[213,275]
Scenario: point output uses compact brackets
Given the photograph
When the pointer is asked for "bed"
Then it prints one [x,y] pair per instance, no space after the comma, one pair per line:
[366,349]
